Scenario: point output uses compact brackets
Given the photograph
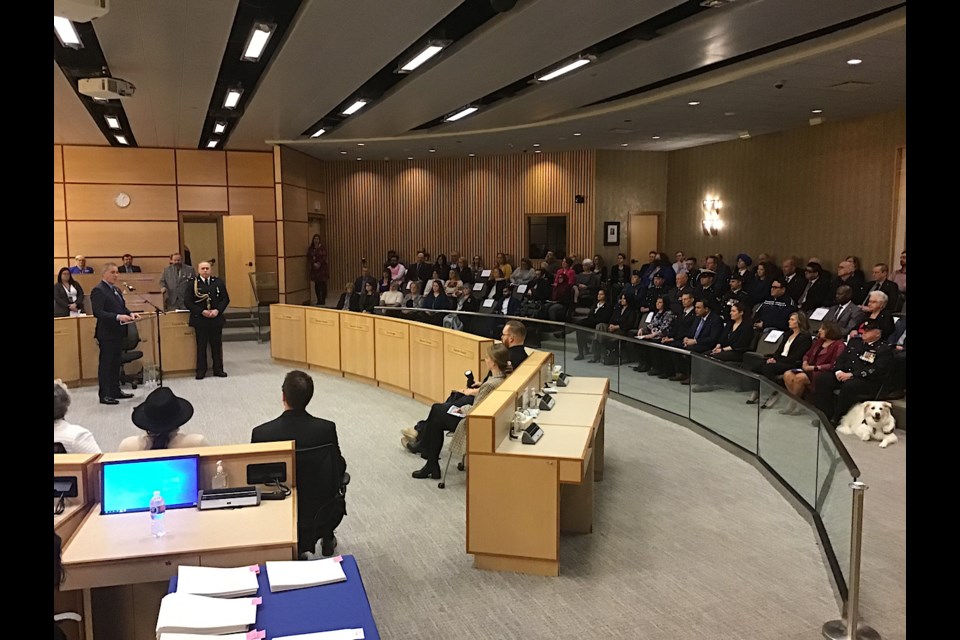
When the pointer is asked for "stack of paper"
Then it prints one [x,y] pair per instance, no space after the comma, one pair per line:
[216,582]
[187,613]
[339,634]
[284,576]
[250,635]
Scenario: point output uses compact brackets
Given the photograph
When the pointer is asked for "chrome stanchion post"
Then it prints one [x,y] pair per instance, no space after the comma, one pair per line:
[840,629]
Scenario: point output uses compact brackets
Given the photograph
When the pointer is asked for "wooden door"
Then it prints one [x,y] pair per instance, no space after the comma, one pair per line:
[644,234]
[239,259]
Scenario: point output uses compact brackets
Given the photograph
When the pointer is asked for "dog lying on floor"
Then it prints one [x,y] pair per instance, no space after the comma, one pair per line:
[870,420]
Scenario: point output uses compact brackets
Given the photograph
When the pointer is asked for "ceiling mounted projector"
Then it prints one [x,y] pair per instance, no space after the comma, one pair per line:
[105,88]
[81,10]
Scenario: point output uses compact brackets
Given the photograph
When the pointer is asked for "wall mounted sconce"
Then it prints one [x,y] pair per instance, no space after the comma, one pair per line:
[711,216]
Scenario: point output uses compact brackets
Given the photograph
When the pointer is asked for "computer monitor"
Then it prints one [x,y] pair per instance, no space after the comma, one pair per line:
[127,486]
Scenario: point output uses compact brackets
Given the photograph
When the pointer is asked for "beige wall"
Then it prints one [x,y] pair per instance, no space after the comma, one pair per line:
[827,191]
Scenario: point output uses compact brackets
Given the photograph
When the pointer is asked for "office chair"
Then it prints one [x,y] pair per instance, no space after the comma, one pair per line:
[321,495]
[59,448]
[458,445]
[130,353]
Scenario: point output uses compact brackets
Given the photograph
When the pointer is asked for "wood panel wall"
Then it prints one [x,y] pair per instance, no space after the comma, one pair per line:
[163,184]
[471,205]
[827,191]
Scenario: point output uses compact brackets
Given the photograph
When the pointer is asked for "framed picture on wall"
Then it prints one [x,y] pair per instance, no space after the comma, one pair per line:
[611,234]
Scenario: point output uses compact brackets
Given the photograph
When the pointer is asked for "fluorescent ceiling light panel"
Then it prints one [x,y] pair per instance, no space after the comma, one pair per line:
[463,113]
[233,98]
[113,122]
[431,50]
[567,68]
[318,133]
[66,32]
[121,139]
[356,106]
[257,42]
[220,127]
[212,143]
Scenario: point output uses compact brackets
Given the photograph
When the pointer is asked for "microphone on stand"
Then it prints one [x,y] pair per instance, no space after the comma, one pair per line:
[128,287]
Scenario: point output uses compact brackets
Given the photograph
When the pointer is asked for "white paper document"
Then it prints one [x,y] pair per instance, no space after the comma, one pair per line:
[488,302]
[216,582]
[478,286]
[649,317]
[339,634]
[485,273]
[773,336]
[819,313]
[204,636]
[188,613]
[298,574]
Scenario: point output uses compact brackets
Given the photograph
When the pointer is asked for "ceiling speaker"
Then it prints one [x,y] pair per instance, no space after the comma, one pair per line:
[502,6]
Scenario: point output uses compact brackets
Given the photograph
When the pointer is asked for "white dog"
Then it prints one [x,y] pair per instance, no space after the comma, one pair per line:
[870,420]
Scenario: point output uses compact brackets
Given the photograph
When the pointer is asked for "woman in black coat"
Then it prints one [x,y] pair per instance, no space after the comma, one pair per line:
[791,348]
[369,297]
[737,336]
[67,295]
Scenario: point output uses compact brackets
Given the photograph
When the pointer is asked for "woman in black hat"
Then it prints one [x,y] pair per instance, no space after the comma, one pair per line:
[161,415]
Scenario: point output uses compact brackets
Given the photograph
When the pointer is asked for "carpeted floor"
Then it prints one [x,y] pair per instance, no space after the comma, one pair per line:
[689,541]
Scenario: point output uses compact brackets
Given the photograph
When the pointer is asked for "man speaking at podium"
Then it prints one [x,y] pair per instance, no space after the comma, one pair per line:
[206,298]
[112,317]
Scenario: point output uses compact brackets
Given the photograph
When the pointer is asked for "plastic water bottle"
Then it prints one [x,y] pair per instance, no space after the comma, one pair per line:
[220,479]
[157,508]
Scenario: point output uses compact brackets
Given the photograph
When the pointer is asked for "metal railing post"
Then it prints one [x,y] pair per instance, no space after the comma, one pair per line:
[840,629]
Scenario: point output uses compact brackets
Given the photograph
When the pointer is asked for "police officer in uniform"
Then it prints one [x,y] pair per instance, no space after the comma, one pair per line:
[736,293]
[860,371]
[207,301]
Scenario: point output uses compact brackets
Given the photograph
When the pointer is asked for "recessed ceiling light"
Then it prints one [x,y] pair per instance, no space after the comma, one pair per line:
[409,157]
[816,111]
[318,133]
[212,143]
[655,137]
[358,159]
[577,133]
[565,68]
[538,151]
[693,103]
[66,32]
[122,139]
[432,49]
[623,144]
[359,144]
[356,106]
[729,113]
[257,41]
[472,155]
[112,121]
[343,153]
[536,144]
[233,98]
[854,61]
[432,150]
[220,127]
[463,113]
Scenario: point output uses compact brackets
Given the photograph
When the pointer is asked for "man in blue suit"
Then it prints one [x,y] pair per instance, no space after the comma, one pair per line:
[112,317]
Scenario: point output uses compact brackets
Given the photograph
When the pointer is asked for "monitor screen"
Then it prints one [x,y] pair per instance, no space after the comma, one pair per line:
[128,485]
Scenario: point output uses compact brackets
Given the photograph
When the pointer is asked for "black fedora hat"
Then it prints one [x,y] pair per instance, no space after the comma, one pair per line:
[162,411]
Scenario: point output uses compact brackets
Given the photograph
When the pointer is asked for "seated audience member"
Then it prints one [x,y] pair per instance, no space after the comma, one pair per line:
[393,297]
[623,321]
[721,274]
[600,268]
[369,297]
[692,269]
[793,280]
[441,266]
[788,354]
[439,420]
[464,272]
[775,310]
[650,296]
[455,262]
[561,298]
[452,284]
[759,286]
[676,293]
[505,267]
[75,439]
[364,277]
[744,262]
[679,264]
[737,336]
[670,365]
[523,274]
[635,290]
[81,265]
[707,289]
[660,326]
[67,295]
[577,264]
[858,373]
[845,275]
[857,269]
[385,280]
[464,302]
[898,344]
[398,271]
[412,298]
[435,301]
[706,331]
[818,361]
[900,275]
[349,299]
[661,264]
[734,295]
[588,283]
[844,313]
[128,266]
[816,290]
[476,265]
[307,431]
[550,264]
[420,273]
[160,416]
[496,283]
[599,316]
[619,274]
[876,309]
[540,287]
[881,283]
[647,266]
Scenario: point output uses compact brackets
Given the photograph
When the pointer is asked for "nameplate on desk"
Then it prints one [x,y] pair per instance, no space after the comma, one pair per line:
[231,498]
[532,434]
[547,403]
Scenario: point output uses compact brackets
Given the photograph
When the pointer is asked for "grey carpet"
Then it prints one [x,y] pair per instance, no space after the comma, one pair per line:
[689,540]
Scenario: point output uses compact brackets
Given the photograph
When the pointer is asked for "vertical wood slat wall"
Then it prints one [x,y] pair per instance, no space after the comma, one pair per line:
[163,184]
[471,205]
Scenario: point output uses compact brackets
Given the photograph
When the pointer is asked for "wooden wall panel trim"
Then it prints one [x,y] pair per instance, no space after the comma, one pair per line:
[295,271]
[60,239]
[206,168]
[112,165]
[59,202]
[249,169]
[117,238]
[256,201]
[294,165]
[96,202]
[57,163]
[295,241]
[265,238]
[294,203]
[202,199]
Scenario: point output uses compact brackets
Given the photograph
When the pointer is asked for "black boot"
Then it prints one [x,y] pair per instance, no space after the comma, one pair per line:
[430,470]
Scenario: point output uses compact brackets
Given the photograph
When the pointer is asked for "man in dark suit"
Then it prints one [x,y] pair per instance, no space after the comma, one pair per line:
[707,289]
[859,373]
[112,317]
[306,431]
[668,364]
[706,330]
[128,266]
[793,280]
[880,283]
[846,274]
[599,314]
[816,293]
[721,272]
[207,299]
[846,314]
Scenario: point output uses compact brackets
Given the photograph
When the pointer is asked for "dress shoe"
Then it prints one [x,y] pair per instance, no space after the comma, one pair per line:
[328,546]
[201,375]
[677,377]
[653,372]
[409,432]
[641,368]
[430,470]
[414,446]
[220,374]
[579,356]
[123,395]
[109,401]
[753,399]
[664,376]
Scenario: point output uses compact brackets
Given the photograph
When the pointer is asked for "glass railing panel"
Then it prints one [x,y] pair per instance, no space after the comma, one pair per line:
[833,501]
[788,442]
[718,401]
[648,378]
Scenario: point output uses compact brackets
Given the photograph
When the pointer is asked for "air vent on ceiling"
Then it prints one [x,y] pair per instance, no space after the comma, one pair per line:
[851,85]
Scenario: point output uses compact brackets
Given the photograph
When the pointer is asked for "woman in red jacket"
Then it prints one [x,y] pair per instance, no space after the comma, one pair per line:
[818,360]
[317,258]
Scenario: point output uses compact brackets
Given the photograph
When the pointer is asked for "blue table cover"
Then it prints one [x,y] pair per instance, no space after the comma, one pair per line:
[343,605]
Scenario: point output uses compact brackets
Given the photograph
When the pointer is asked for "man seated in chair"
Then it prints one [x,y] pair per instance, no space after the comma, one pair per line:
[307,432]
[859,373]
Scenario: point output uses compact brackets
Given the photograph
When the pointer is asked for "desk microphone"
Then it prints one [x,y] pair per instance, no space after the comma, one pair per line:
[128,287]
